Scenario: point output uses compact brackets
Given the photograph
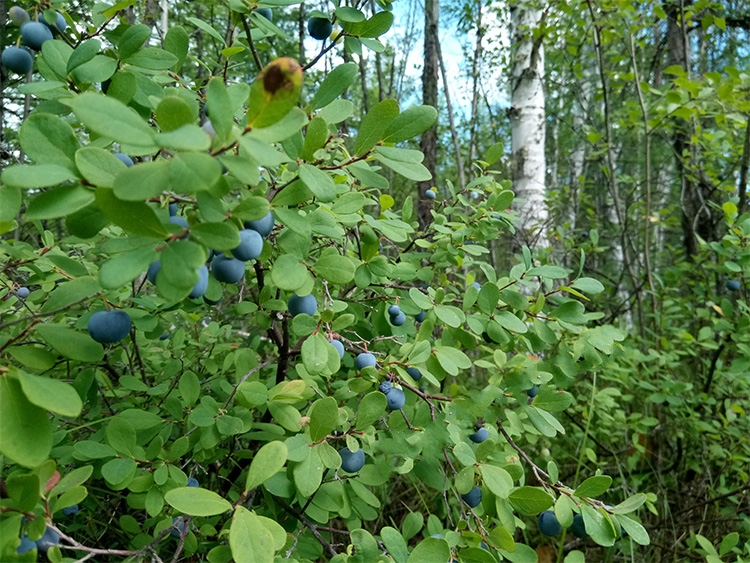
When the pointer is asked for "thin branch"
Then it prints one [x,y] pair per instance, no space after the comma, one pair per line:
[309,525]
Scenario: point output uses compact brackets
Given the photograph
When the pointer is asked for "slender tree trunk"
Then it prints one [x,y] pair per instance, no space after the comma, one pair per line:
[578,156]
[527,119]
[696,218]
[428,143]
[363,77]
[475,86]
[454,133]
[742,188]
[301,31]
[164,19]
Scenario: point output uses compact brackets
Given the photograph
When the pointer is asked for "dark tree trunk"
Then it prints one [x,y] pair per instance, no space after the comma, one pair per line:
[428,143]
[695,191]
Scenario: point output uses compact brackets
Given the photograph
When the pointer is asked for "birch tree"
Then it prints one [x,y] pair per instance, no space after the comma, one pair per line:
[527,118]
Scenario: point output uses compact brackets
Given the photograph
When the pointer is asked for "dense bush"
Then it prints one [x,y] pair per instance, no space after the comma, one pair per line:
[214,426]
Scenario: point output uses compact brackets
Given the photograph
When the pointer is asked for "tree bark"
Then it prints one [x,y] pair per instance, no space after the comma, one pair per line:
[697,219]
[578,156]
[428,142]
[527,119]
[454,133]
[475,85]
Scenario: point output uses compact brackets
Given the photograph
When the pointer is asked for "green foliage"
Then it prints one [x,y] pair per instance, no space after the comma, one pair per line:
[243,396]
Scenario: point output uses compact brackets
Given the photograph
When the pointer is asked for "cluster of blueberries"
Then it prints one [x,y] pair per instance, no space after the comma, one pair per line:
[550,526]
[109,327]
[33,34]
[48,539]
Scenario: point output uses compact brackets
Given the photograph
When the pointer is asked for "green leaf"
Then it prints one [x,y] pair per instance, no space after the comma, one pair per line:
[598,526]
[173,112]
[89,449]
[220,108]
[222,236]
[249,540]
[208,29]
[192,172]
[180,262]
[98,166]
[395,544]
[630,504]
[308,474]
[412,122]
[111,118]
[552,400]
[286,415]
[51,394]
[98,69]
[588,285]
[502,538]
[59,202]
[70,343]
[497,480]
[36,176]
[314,353]
[337,111]
[251,208]
[316,136]
[73,479]
[570,312]
[10,203]
[33,357]
[268,461]
[119,472]
[277,531]
[374,27]
[728,543]
[575,556]
[410,170]
[593,486]
[335,84]
[25,429]
[133,39]
[134,217]
[152,58]
[464,454]
[451,359]
[196,501]
[530,501]
[374,125]
[452,316]
[177,42]
[510,322]
[371,408]
[422,300]
[47,139]
[83,54]
[493,155]
[543,421]
[324,416]
[288,273]
[56,54]
[123,268]
[335,268]
[70,292]
[430,550]
[634,530]
[319,182]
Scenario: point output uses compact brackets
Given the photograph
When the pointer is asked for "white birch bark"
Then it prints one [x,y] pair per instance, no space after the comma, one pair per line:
[527,118]
[578,156]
